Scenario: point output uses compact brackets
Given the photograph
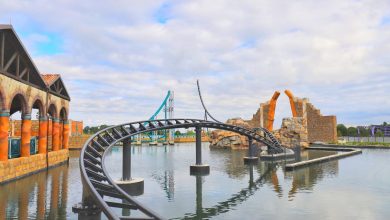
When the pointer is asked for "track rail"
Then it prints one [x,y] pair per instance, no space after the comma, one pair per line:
[106,194]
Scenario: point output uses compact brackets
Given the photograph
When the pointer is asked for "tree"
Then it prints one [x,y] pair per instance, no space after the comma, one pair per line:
[341,130]
[190,133]
[385,124]
[352,131]
[86,130]
[177,132]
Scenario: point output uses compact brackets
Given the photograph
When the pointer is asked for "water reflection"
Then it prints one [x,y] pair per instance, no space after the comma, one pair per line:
[40,196]
[169,189]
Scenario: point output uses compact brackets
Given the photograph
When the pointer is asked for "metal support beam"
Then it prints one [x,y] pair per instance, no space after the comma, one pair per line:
[198,132]
[126,168]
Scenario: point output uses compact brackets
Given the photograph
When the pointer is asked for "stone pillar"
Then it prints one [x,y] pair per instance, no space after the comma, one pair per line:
[42,141]
[26,136]
[4,127]
[65,138]
[56,134]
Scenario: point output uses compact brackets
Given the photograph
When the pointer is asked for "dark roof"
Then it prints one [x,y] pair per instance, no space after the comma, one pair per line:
[19,65]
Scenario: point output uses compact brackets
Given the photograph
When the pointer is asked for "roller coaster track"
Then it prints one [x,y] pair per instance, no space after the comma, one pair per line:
[104,191]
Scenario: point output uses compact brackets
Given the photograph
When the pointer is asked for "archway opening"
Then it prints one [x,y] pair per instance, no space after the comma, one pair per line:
[19,113]
[63,128]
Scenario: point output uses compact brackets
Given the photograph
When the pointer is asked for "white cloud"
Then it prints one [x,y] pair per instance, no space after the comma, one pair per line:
[118,61]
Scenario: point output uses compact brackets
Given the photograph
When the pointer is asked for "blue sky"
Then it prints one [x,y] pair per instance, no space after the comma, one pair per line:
[119,59]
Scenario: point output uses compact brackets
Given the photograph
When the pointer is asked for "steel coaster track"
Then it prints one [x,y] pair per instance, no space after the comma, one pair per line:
[104,191]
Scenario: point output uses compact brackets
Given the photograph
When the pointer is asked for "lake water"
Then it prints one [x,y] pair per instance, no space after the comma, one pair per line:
[356,187]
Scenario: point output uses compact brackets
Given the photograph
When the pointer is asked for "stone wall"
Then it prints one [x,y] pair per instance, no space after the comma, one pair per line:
[23,166]
[293,132]
[77,142]
[320,128]
[228,139]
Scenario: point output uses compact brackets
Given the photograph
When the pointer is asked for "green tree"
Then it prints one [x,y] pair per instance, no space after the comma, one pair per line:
[341,130]
[177,132]
[352,131]
[190,133]
[385,124]
[86,130]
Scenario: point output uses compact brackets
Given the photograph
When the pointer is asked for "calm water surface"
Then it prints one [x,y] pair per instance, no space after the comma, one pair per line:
[356,187]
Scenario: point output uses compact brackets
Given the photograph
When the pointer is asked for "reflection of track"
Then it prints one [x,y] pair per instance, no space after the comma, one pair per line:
[166,182]
[236,199]
[102,189]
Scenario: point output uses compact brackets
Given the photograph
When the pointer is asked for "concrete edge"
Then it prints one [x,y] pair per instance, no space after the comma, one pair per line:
[34,172]
[293,166]
[355,146]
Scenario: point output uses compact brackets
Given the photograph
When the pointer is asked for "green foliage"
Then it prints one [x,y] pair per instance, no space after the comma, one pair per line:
[352,131]
[93,130]
[190,132]
[177,132]
[341,130]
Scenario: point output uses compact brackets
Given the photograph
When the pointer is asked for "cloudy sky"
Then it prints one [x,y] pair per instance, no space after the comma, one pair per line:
[119,59]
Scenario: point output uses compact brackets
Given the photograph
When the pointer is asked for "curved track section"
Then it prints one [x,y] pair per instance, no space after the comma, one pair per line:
[103,189]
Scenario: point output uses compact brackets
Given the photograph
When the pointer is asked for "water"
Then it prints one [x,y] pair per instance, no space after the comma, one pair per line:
[351,188]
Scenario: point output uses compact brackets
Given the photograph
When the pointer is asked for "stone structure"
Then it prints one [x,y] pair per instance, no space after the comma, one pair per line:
[293,133]
[319,127]
[22,89]
[306,126]
[227,139]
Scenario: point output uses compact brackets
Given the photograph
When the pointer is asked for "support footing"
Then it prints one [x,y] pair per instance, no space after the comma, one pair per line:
[202,169]
[86,212]
[133,187]
[251,160]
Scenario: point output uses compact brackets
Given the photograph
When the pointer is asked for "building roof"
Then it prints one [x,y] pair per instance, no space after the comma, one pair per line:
[18,65]
[50,78]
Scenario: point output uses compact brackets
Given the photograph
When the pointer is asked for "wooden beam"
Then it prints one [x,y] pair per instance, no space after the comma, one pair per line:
[2,50]
[9,63]
[23,72]
[17,65]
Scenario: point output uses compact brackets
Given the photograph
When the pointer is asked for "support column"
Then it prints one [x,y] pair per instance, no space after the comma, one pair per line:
[65,138]
[87,208]
[42,141]
[4,128]
[250,159]
[26,136]
[126,165]
[199,168]
[56,135]
[133,186]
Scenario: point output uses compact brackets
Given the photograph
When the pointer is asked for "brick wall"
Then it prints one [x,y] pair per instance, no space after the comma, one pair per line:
[320,128]
[77,142]
[76,128]
[22,166]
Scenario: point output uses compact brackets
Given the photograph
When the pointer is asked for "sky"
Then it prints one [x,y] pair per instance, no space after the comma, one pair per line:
[118,59]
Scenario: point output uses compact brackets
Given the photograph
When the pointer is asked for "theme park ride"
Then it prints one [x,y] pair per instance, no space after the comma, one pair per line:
[164,136]
[103,194]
